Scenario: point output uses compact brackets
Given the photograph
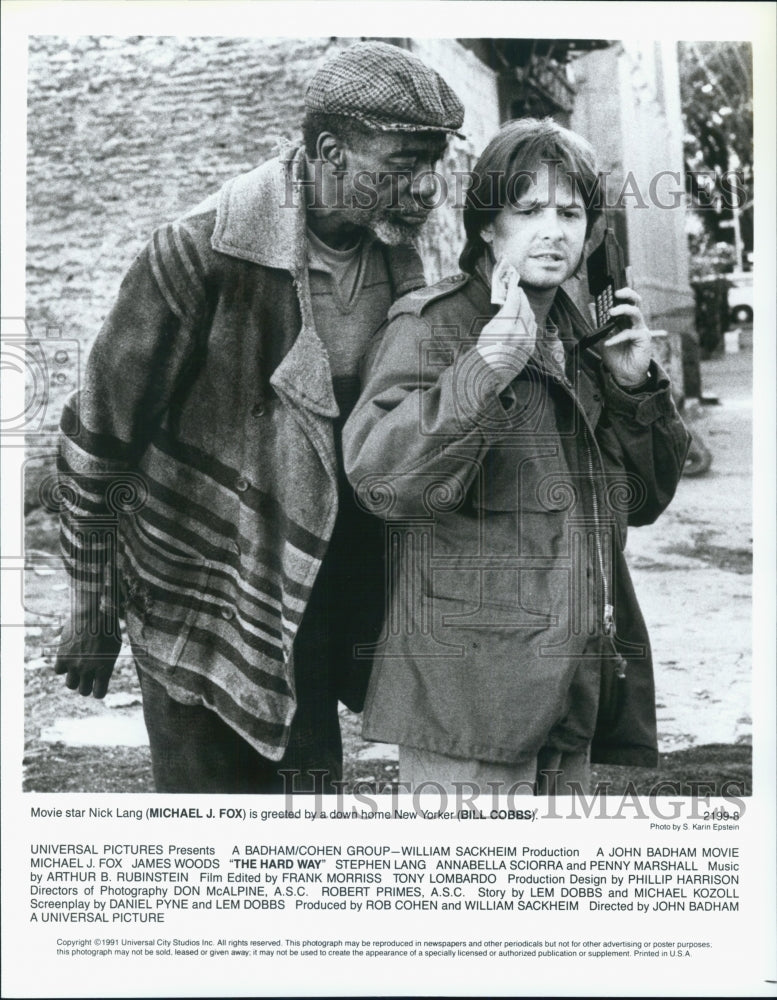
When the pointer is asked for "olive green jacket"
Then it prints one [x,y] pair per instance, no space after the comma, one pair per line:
[506,516]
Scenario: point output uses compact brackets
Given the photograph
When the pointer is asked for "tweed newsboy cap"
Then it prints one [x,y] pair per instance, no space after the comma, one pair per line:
[385,88]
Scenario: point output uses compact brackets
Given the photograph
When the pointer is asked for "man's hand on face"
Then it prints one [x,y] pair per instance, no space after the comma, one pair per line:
[627,355]
[506,343]
[87,651]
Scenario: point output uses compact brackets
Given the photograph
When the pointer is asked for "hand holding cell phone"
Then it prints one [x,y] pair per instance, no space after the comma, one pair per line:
[607,274]
[627,353]
[627,347]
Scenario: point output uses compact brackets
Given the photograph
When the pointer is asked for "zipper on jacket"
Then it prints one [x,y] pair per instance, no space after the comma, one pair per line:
[608,614]
[608,617]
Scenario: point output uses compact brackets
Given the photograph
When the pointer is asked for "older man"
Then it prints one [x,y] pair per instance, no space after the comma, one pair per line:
[215,394]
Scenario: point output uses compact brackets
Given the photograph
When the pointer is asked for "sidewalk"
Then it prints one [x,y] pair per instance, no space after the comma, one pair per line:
[692,573]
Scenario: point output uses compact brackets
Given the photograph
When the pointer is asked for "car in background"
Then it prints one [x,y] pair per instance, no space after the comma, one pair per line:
[740,296]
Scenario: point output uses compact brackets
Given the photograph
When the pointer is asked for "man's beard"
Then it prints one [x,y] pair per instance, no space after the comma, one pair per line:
[393,232]
[384,224]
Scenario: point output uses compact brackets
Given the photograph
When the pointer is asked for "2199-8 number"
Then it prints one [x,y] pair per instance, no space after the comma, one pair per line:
[719,814]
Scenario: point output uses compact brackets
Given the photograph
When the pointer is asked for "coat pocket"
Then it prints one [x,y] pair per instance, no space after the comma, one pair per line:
[522,500]
[162,594]
[521,477]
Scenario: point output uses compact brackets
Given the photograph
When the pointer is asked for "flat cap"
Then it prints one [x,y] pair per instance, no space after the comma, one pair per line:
[386,88]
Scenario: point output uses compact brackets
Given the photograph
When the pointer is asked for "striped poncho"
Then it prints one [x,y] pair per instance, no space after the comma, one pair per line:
[197,464]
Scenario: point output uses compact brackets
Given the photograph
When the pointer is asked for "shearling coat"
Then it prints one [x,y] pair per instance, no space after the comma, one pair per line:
[198,460]
[506,516]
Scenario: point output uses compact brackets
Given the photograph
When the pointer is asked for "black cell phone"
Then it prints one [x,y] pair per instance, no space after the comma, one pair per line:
[606,274]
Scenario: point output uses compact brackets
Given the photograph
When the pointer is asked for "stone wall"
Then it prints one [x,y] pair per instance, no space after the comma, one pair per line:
[126,133]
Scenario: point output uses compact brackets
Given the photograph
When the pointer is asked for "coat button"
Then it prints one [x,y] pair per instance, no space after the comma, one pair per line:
[242,484]
[257,410]
[227,613]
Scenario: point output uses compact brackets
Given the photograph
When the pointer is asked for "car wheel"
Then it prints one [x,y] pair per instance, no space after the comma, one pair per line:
[742,314]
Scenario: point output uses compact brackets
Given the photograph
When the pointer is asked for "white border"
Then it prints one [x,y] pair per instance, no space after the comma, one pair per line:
[22,967]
